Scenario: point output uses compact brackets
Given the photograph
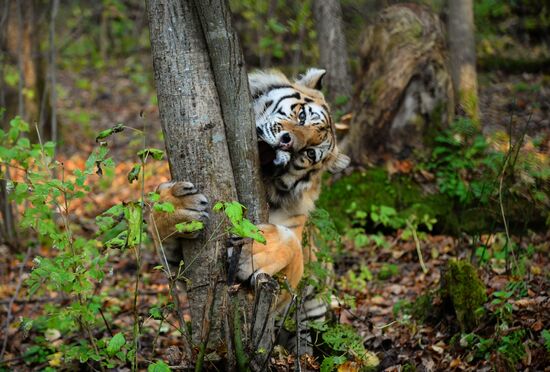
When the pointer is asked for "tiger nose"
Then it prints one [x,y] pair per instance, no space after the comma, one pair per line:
[285,141]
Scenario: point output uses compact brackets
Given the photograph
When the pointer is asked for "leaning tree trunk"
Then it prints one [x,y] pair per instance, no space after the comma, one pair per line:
[202,83]
[403,94]
[462,50]
[332,49]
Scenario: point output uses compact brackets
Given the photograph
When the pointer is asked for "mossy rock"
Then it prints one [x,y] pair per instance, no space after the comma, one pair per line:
[465,291]
[422,308]
[374,187]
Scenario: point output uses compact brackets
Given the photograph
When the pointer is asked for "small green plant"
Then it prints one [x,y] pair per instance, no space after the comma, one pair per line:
[348,345]
[459,152]
[387,271]
[78,263]
[240,226]
[546,337]
[356,281]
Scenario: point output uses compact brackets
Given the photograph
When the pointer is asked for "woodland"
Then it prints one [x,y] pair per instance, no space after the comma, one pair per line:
[432,245]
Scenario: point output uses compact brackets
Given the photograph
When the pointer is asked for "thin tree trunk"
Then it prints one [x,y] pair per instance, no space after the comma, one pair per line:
[462,49]
[52,65]
[201,83]
[332,48]
[194,136]
[232,85]
[8,221]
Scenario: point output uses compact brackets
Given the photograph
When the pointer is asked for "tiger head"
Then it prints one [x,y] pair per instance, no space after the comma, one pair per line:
[296,136]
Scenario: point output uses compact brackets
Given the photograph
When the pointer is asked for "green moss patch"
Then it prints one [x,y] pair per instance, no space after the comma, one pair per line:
[375,188]
[465,291]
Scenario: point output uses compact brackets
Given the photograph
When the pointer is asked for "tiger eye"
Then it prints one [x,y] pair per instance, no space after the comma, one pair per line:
[311,154]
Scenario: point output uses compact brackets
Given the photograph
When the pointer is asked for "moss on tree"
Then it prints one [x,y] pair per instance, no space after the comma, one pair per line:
[465,291]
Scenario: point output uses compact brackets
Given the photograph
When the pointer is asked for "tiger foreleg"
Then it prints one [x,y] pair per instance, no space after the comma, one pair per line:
[282,253]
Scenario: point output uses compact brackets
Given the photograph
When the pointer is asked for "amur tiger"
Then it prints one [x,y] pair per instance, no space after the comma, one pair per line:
[297,143]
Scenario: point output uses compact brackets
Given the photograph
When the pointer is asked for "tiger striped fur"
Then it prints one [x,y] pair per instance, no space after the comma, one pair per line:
[297,143]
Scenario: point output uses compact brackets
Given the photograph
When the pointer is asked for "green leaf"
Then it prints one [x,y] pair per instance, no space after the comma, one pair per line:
[158,366]
[134,173]
[115,344]
[156,312]
[155,153]
[329,363]
[241,226]
[546,336]
[164,207]
[154,196]
[108,132]
[134,218]
[189,227]
[247,229]
[218,207]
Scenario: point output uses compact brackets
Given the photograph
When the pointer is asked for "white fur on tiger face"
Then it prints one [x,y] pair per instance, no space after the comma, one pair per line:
[296,137]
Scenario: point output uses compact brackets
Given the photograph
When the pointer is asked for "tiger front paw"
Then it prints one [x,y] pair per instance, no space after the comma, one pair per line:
[282,254]
[189,205]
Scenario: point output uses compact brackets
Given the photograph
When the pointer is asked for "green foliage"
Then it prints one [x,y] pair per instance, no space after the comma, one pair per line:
[322,234]
[276,33]
[189,227]
[458,152]
[158,366]
[154,153]
[546,337]
[356,281]
[352,198]
[109,132]
[387,271]
[345,341]
[240,225]
[78,264]
[115,344]
[509,346]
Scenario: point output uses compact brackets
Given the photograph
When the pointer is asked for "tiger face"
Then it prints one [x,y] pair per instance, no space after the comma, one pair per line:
[296,136]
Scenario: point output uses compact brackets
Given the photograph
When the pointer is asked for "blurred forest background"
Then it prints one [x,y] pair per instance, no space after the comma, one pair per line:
[447,195]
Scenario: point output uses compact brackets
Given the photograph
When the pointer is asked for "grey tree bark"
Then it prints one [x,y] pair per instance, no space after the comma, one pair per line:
[202,84]
[231,80]
[332,48]
[462,50]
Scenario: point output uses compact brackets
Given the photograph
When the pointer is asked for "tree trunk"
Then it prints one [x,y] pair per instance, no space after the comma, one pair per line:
[333,50]
[201,83]
[22,47]
[462,50]
[404,92]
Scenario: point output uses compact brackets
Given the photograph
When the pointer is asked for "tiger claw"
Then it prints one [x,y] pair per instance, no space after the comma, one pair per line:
[234,246]
[189,206]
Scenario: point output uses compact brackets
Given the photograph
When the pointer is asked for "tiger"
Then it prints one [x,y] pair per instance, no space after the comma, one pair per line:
[296,144]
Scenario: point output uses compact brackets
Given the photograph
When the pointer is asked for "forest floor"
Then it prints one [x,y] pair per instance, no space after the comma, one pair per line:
[384,282]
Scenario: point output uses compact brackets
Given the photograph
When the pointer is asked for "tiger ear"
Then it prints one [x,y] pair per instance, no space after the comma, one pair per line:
[312,78]
[340,163]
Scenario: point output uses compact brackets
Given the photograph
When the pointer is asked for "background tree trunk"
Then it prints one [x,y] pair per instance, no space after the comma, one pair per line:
[22,48]
[201,82]
[462,50]
[404,91]
[332,49]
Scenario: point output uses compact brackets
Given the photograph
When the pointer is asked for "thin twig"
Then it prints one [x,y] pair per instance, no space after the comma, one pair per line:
[12,300]
[206,323]
[53,93]
[418,248]
[21,82]
[172,284]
